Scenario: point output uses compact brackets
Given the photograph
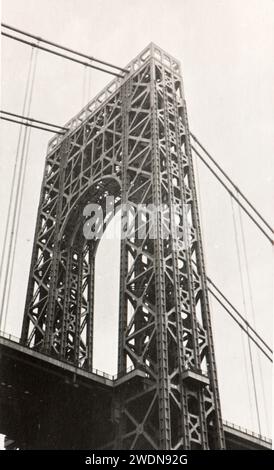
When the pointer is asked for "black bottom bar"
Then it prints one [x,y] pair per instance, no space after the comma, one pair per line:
[120,459]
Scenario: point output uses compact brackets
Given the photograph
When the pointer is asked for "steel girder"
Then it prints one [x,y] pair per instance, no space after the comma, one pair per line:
[133,145]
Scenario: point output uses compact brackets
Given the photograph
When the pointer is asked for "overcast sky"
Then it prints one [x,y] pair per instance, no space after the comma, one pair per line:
[226,51]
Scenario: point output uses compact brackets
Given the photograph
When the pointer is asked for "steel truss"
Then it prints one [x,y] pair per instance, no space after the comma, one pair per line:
[133,143]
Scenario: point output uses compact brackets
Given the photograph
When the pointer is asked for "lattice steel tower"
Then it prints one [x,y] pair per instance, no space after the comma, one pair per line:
[131,142]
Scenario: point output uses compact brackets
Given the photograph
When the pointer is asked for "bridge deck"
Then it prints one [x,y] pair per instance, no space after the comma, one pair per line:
[41,399]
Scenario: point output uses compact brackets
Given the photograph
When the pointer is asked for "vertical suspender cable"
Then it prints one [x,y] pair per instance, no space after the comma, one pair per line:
[6,297]
[244,306]
[243,294]
[19,186]
[198,185]
[252,308]
[89,84]
[15,165]
[13,187]
[84,87]
[245,310]
[26,149]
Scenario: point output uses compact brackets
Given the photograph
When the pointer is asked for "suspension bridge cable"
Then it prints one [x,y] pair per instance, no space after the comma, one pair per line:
[232,183]
[250,291]
[25,153]
[245,330]
[242,335]
[73,59]
[252,307]
[84,87]
[233,196]
[34,120]
[239,315]
[15,169]
[209,280]
[242,318]
[30,87]
[89,85]
[46,41]
[29,124]
[245,310]
[26,145]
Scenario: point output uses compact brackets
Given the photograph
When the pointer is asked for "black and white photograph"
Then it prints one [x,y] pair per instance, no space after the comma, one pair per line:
[136,230]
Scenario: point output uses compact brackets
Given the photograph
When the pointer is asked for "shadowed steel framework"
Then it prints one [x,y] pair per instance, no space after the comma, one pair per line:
[131,142]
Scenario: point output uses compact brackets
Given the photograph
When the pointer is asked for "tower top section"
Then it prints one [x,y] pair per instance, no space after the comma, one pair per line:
[152,51]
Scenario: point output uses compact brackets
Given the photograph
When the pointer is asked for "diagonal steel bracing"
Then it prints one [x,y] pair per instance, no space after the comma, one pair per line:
[131,142]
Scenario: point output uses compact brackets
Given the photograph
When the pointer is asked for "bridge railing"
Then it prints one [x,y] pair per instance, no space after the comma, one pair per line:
[246,431]
[131,368]
[109,376]
[15,339]
[95,371]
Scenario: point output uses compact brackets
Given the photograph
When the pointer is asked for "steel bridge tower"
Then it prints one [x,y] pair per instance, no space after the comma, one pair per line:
[131,142]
